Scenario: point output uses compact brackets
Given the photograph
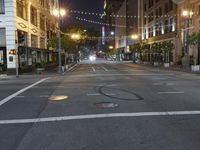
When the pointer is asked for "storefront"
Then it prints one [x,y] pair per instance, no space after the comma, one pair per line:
[3,60]
[28,57]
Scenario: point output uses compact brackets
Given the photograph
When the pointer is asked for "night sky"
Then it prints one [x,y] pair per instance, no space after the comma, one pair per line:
[95,6]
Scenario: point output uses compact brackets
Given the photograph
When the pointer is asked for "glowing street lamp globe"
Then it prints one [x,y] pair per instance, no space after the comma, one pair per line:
[62,12]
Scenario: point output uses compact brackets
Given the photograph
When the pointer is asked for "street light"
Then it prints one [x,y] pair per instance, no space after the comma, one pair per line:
[76,36]
[111,47]
[59,13]
[134,37]
[187,14]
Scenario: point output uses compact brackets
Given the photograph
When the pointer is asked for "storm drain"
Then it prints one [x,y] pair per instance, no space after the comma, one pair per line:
[58,97]
[106,105]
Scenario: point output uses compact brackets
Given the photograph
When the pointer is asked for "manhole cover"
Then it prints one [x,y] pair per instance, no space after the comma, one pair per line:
[58,97]
[106,105]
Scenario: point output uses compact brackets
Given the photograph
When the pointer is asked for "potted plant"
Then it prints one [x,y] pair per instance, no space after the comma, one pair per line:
[156,53]
[39,68]
[194,40]
[167,47]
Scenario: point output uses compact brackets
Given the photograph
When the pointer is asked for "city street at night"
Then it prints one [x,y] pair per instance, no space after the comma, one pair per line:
[101,105]
[99,74]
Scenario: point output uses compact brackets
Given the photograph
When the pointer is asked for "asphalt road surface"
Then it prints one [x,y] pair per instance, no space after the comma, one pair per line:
[102,106]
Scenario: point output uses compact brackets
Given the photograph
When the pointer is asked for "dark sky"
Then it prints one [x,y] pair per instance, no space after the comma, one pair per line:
[95,6]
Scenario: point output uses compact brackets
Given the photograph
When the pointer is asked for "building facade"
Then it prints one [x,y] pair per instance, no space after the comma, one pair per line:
[26,26]
[126,26]
[188,23]
[157,22]
[111,7]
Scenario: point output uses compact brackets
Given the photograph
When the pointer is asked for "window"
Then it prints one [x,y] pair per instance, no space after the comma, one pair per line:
[33,15]
[199,10]
[171,26]
[145,20]
[151,17]
[170,5]
[42,43]
[21,9]
[157,28]
[166,8]
[160,28]
[166,26]
[151,3]
[34,41]
[2,7]
[2,37]
[42,3]
[145,7]
[42,22]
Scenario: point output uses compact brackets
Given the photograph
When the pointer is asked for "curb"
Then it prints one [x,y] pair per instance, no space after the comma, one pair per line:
[171,69]
[5,77]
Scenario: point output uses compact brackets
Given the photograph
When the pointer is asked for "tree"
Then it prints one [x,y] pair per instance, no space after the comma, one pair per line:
[156,52]
[136,50]
[194,40]
[167,47]
[144,50]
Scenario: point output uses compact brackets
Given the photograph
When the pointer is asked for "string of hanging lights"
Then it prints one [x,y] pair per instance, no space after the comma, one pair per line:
[118,15]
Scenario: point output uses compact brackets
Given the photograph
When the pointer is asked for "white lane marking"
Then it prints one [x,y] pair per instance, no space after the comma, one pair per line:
[97,116]
[112,85]
[44,96]
[179,92]
[101,75]
[93,69]
[36,87]
[19,96]
[170,84]
[94,94]
[161,83]
[59,86]
[158,84]
[110,94]
[105,69]
[3,101]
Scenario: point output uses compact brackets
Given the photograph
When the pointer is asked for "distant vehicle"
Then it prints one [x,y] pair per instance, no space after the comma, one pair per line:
[92,57]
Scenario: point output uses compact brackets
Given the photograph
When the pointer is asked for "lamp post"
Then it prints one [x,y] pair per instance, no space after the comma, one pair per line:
[187,16]
[134,37]
[59,13]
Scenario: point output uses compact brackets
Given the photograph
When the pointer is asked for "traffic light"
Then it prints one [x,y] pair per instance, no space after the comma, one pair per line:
[21,37]
[12,52]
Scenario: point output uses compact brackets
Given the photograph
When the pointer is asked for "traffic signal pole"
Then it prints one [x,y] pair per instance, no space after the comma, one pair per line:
[17,66]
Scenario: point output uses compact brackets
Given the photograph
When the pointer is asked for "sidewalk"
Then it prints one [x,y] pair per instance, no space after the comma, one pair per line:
[172,68]
[44,74]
